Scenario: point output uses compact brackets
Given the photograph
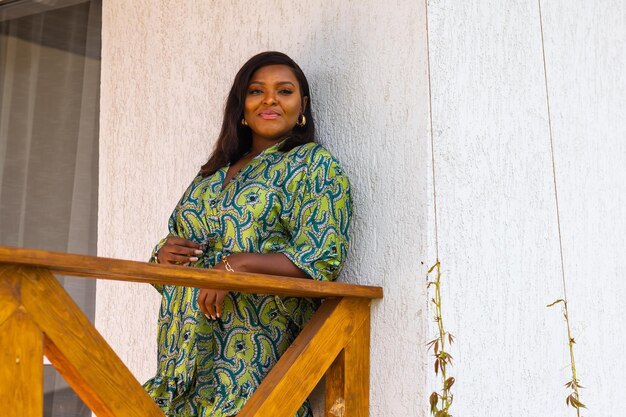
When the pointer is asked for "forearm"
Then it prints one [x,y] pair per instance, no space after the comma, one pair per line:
[265,263]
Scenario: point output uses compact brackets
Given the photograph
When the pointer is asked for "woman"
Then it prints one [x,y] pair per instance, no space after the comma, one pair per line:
[269,200]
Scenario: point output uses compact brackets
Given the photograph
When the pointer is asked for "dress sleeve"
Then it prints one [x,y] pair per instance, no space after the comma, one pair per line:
[320,219]
[173,230]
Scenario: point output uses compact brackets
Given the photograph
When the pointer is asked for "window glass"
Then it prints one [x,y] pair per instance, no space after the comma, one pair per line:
[49,111]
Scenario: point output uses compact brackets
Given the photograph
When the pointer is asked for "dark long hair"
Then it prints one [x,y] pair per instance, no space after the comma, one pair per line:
[235,140]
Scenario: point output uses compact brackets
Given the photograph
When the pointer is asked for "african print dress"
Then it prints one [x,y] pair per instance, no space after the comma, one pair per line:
[296,203]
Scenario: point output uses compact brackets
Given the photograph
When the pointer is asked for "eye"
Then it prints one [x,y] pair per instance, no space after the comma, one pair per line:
[254,92]
[286,91]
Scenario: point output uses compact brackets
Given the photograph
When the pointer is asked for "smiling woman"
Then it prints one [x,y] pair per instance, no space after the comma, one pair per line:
[273,104]
[269,200]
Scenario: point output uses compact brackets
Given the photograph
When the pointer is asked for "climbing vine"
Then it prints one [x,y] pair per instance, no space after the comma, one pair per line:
[573,399]
[440,401]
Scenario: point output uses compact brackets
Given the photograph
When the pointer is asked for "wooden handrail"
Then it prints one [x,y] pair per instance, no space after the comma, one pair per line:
[38,317]
[122,270]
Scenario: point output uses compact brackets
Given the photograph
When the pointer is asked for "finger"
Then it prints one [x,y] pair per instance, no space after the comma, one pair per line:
[200,300]
[209,303]
[184,250]
[175,240]
[180,250]
[219,303]
[171,258]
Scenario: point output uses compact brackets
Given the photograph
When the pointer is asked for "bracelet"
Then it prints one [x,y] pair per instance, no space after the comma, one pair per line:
[227,264]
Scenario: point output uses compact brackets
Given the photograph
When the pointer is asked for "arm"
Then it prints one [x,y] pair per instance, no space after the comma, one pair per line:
[264,263]
[211,302]
[173,249]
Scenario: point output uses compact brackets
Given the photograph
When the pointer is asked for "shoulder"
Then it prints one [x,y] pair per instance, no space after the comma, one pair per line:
[316,158]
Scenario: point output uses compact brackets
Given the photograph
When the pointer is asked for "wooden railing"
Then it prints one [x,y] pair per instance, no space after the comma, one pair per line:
[38,317]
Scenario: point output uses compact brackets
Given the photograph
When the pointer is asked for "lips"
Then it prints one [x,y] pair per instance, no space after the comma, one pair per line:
[269,115]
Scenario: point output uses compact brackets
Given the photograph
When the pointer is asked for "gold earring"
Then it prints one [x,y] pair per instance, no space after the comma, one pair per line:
[301,121]
[244,122]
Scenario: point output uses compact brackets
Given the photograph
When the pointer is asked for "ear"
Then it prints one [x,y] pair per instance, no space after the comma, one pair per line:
[305,101]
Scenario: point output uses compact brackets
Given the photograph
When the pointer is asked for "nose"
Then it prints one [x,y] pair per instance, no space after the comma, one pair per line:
[269,99]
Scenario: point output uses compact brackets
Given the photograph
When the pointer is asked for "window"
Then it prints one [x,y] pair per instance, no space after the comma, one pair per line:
[49,112]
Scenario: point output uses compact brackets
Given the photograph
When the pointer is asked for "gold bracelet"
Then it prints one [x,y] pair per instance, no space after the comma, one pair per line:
[227,264]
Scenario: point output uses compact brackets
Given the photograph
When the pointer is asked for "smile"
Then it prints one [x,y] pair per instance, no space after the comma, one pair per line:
[269,115]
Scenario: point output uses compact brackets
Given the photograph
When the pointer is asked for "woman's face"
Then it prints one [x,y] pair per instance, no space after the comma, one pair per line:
[273,102]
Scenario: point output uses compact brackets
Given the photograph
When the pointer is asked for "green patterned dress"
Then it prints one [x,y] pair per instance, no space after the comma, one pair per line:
[296,203]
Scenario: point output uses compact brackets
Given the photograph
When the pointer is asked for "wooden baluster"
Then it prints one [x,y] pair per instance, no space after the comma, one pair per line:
[347,380]
[21,352]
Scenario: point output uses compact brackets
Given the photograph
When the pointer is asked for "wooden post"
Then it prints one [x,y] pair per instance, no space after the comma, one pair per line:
[21,352]
[347,379]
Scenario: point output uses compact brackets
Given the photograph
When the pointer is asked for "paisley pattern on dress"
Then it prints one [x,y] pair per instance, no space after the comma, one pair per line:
[297,203]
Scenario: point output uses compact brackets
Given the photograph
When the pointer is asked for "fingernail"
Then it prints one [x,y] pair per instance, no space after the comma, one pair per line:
[219,315]
[213,317]
[207,316]
[193,258]
[197,252]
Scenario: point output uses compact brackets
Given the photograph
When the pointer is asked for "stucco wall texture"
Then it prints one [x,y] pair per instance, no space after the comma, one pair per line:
[498,234]
[166,69]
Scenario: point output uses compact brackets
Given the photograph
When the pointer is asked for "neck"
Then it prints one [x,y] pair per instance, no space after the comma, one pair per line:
[260,144]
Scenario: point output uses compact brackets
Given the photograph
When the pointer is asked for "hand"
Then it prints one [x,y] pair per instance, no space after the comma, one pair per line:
[211,302]
[179,251]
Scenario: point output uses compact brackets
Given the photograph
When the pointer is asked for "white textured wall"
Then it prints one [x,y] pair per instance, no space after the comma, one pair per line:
[497,216]
[166,69]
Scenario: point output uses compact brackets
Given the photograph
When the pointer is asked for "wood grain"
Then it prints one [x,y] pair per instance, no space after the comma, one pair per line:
[121,270]
[335,394]
[80,353]
[357,371]
[9,290]
[21,366]
[301,367]
[347,379]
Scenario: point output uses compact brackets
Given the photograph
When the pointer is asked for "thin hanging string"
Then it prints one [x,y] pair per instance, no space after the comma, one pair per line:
[556,195]
[432,141]
[572,399]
